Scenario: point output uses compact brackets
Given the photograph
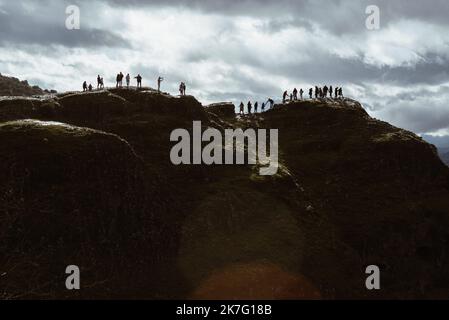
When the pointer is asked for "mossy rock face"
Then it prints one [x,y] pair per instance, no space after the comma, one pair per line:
[227,228]
[226,110]
[150,101]
[69,195]
[92,107]
[18,108]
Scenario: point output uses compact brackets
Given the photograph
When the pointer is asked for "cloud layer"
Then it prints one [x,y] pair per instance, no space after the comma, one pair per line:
[243,50]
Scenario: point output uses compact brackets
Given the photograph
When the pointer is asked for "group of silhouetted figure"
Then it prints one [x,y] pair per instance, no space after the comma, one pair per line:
[119,80]
[267,104]
[319,92]
[119,83]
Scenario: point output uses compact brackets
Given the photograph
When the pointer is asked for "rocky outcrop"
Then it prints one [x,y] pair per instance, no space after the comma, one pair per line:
[381,193]
[69,195]
[445,158]
[10,86]
[226,109]
[350,191]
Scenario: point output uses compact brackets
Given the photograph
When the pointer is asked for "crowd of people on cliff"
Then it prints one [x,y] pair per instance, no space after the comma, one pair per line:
[119,83]
[295,95]
[317,93]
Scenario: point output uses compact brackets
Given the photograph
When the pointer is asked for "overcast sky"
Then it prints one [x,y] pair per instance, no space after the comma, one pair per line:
[243,50]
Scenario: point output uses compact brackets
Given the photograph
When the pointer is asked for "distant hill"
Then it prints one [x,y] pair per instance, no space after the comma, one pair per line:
[442,144]
[10,86]
[445,158]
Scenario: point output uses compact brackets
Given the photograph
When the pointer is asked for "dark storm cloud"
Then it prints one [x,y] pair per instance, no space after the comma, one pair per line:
[337,16]
[431,70]
[420,110]
[45,25]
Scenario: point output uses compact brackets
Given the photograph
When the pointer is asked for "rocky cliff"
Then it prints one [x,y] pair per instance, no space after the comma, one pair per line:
[89,182]
[10,86]
[445,158]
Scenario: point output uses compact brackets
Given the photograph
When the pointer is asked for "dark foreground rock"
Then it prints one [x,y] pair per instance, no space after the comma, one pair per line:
[69,195]
[351,191]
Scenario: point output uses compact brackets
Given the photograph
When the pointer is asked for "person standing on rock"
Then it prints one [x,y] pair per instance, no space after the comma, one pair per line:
[84,86]
[295,94]
[249,107]
[182,89]
[301,92]
[284,97]
[325,91]
[316,92]
[139,81]
[242,108]
[263,106]
[98,81]
[90,87]
[256,106]
[117,79]
[330,91]
[159,81]
[311,93]
[128,80]
[101,83]
[340,92]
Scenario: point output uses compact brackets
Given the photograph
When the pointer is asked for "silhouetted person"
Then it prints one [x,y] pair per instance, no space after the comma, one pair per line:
[325,91]
[139,81]
[128,80]
[98,81]
[340,92]
[242,108]
[271,102]
[117,79]
[84,86]
[336,92]
[295,94]
[301,92]
[101,83]
[159,81]
[311,93]
[330,91]
[320,92]
[121,79]
[316,92]
[263,106]
[284,97]
[182,89]
[256,106]
[249,107]
[90,87]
